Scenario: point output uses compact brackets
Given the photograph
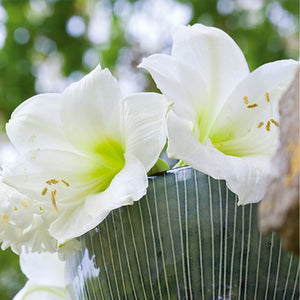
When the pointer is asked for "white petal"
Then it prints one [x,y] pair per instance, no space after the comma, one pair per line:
[33,291]
[240,130]
[243,177]
[180,83]
[43,268]
[217,58]
[214,54]
[35,124]
[128,185]
[30,175]
[145,126]
[92,110]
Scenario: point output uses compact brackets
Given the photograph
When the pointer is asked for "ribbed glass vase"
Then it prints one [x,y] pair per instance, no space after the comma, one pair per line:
[186,239]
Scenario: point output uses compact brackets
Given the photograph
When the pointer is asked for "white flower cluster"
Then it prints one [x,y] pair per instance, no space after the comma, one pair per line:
[23,223]
[87,151]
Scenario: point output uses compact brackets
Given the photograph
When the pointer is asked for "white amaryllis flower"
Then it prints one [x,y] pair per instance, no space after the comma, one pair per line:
[46,277]
[86,151]
[225,120]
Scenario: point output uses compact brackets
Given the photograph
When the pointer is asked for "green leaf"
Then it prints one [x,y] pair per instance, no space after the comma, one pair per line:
[159,167]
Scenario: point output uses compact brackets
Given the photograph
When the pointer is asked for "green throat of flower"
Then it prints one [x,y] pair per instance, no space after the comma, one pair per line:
[109,161]
[229,140]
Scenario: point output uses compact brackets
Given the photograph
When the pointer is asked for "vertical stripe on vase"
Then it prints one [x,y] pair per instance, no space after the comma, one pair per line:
[221,258]
[126,254]
[105,269]
[269,266]
[160,241]
[277,271]
[111,259]
[242,252]
[181,237]
[225,246]
[171,237]
[146,250]
[199,234]
[212,236]
[187,237]
[288,277]
[248,249]
[155,248]
[136,253]
[296,283]
[119,256]
[233,248]
[258,266]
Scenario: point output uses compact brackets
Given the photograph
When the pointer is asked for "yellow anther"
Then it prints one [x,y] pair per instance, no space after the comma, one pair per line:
[268,126]
[252,105]
[66,183]
[5,217]
[246,100]
[274,122]
[267,96]
[260,124]
[44,191]
[53,193]
[52,181]
[24,204]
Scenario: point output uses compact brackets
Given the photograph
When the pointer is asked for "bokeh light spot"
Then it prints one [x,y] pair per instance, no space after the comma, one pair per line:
[21,35]
[75,26]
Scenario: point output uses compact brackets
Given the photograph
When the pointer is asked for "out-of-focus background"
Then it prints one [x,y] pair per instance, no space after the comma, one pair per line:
[47,44]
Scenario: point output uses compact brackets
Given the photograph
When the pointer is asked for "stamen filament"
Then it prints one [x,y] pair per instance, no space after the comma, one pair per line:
[53,193]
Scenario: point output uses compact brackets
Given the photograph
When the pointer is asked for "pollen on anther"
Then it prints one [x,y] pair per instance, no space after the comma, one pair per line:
[274,122]
[267,96]
[260,124]
[66,183]
[44,191]
[52,181]
[252,105]
[245,98]
[268,126]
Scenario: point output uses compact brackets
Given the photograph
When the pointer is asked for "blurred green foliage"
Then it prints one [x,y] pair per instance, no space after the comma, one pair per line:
[11,277]
[265,31]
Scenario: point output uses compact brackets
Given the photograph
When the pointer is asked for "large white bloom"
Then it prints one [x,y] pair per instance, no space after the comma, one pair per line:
[225,120]
[46,277]
[86,151]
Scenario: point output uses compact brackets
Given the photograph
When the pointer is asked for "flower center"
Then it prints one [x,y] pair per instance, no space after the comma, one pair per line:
[109,160]
[238,138]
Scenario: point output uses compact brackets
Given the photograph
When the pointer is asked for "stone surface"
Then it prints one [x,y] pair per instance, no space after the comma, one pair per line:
[279,210]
